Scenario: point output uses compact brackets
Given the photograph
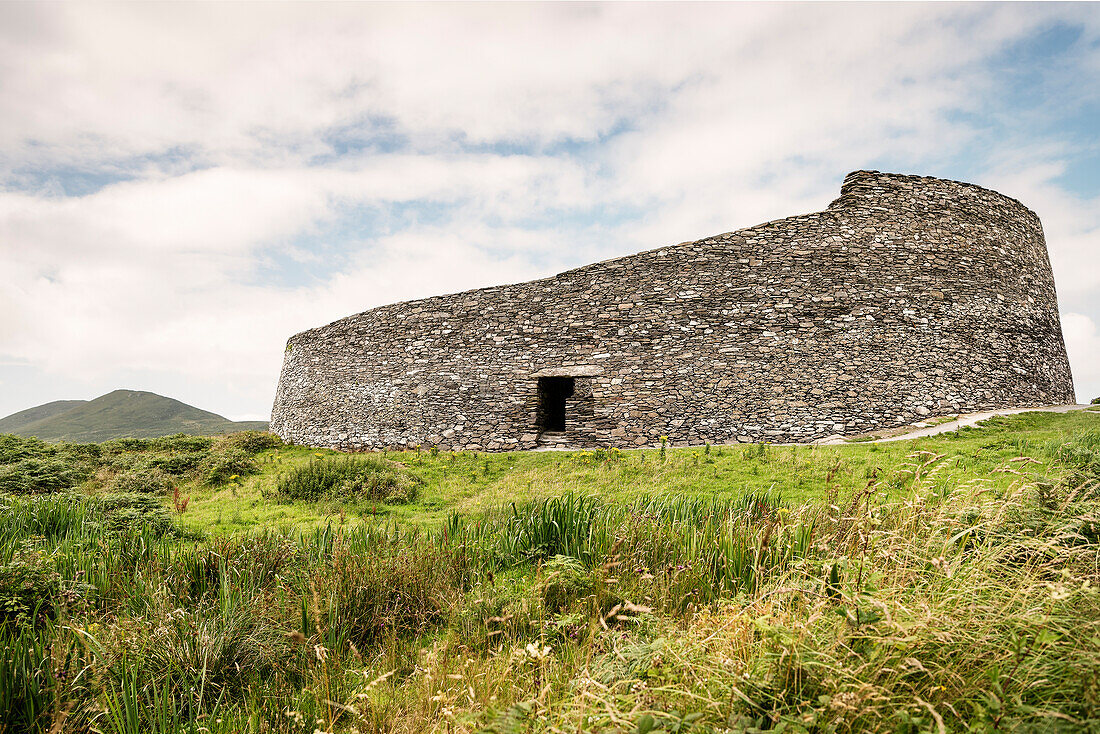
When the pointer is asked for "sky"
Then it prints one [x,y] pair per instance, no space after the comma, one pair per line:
[184,186]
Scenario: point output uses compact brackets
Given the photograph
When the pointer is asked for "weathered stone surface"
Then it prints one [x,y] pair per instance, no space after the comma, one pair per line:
[908,296]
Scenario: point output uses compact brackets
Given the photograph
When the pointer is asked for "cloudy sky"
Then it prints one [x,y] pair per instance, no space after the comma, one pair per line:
[184,186]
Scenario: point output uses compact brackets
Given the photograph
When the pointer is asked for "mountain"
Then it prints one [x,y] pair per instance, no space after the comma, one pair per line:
[16,422]
[119,414]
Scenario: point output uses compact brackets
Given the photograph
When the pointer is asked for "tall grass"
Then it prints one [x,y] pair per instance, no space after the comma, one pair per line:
[951,607]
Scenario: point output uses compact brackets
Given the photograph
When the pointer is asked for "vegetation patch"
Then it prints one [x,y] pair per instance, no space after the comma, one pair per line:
[151,481]
[946,584]
[36,476]
[225,464]
[366,477]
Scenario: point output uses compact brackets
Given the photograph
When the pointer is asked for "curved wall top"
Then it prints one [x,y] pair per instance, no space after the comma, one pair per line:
[908,296]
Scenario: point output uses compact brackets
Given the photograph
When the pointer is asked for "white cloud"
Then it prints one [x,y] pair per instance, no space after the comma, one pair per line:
[144,273]
[229,80]
[1083,344]
[1071,224]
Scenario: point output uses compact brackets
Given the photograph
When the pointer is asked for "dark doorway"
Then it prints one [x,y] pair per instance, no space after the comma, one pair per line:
[553,392]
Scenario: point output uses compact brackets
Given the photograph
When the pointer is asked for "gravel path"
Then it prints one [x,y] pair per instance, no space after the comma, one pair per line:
[971,419]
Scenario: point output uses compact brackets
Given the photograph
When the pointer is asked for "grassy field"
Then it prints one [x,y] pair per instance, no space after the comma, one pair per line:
[468,483]
[239,585]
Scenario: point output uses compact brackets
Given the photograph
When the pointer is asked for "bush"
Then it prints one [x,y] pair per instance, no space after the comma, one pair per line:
[86,452]
[16,448]
[126,445]
[219,466]
[251,442]
[567,581]
[178,464]
[152,481]
[37,476]
[368,477]
[181,442]
[123,512]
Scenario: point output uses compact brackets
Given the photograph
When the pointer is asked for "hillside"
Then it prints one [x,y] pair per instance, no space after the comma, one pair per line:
[119,414]
[16,422]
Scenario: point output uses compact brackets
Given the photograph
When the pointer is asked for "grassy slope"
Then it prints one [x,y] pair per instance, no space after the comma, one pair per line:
[130,413]
[466,483]
[17,422]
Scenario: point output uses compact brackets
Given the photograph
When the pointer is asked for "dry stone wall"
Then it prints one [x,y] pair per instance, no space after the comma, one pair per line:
[908,297]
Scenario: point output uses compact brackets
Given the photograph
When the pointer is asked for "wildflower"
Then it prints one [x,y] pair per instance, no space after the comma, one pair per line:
[1059,591]
[534,652]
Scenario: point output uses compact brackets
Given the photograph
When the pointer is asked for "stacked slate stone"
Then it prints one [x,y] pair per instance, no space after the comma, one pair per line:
[908,297]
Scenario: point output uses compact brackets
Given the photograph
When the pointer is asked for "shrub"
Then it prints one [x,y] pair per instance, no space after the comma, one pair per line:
[181,442]
[178,464]
[567,581]
[37,476]
[224,463]
[251,442]
[86,452]
[131,511]
[368,477]
[16,448]
[126,445]
[152,481]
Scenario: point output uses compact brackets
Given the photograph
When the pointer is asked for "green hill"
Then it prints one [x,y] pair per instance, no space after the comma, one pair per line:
[119,414]
[16,422]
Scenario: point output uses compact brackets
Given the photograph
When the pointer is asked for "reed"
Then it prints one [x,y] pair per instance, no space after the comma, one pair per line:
[949,605]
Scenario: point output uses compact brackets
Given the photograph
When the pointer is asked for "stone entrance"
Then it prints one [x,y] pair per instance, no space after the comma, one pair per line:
[564,406]
[554,394]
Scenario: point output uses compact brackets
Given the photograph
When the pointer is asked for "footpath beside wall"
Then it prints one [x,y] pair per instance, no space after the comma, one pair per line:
[908,297]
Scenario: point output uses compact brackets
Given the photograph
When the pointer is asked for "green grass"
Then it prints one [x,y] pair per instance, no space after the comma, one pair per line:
[467,483]
[945,584]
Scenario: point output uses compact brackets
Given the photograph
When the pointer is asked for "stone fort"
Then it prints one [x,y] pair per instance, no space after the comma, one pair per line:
[907,297]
